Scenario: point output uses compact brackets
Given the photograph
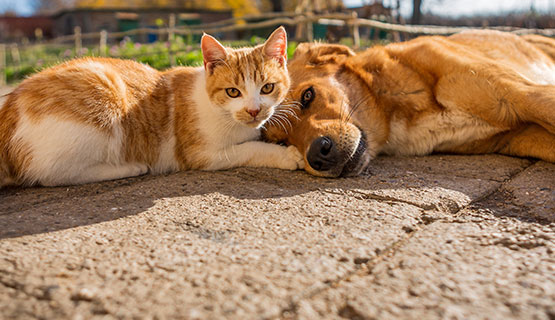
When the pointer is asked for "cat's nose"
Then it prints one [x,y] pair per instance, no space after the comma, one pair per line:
[253,112]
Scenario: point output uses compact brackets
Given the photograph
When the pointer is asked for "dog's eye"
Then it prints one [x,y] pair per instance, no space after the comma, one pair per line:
[307,96]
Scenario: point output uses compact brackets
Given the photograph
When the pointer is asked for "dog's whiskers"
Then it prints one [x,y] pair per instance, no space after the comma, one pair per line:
[357,105]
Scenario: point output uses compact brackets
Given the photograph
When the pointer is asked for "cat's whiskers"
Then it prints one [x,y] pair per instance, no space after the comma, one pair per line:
[282,120]
[289,108]
[288,112]
[292,104]
[227,129]
[342,113]
[277,122]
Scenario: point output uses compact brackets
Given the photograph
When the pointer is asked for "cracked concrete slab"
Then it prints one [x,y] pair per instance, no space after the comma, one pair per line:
[496,269]
[191,243]
[263,243]
[533,190]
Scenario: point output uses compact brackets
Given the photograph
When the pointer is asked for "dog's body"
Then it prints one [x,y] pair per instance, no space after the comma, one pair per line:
[474,92]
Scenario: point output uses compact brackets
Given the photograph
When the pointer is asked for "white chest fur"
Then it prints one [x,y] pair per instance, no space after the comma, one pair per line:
[61,150]
[216,126]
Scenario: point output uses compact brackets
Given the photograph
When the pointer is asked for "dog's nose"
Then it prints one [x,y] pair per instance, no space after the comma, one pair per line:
[253,112]
[322,154]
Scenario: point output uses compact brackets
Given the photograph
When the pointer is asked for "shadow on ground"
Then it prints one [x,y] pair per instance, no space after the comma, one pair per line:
[438,182]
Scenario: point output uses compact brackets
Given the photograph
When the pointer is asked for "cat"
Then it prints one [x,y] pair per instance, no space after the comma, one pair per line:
[97,119]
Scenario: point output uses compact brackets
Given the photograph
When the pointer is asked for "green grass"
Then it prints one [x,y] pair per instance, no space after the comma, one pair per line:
[158,54]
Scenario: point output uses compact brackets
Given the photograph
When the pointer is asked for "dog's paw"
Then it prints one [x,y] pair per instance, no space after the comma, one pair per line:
[294,154]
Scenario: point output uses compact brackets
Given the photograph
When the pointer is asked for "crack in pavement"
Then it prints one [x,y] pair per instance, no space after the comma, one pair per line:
[366,268]
[421,216]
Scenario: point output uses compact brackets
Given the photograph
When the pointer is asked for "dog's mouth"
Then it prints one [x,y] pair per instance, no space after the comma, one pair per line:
[359,159]
[327,158]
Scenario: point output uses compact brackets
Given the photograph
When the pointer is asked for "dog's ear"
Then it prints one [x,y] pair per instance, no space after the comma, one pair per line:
[302,50]
[316,53]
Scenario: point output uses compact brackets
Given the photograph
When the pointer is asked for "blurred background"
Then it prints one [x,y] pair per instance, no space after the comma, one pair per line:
[38,33]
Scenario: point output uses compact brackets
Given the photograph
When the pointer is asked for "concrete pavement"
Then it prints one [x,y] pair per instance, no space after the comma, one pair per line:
[439,237]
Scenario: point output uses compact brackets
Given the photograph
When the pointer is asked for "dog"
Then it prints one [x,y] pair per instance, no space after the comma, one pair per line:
[475,92]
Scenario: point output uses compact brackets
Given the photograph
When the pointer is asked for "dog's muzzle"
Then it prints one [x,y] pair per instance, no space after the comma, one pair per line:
[325,156]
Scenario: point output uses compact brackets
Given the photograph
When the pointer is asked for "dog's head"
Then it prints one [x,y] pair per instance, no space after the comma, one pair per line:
[316,116]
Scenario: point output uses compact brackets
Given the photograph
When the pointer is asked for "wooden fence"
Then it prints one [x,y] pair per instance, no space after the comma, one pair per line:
[303,22]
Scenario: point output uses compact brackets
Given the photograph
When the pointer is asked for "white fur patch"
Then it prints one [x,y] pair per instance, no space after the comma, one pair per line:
[216,126]
[166,159]
[61,150]
[542,73]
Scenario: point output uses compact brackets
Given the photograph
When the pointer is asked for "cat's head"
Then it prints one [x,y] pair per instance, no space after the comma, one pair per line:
[248,83]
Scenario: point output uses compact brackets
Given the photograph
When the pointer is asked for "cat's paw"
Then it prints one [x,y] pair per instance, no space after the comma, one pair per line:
[294,154]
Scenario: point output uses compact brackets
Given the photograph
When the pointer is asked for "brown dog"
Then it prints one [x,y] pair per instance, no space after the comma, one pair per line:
[470,93]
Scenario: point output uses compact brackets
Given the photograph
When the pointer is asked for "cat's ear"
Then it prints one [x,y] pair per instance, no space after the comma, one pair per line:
[276,45]
[212,51]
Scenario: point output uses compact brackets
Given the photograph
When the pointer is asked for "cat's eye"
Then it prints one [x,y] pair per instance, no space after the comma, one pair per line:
[267,88]
[233,92]
[307,96]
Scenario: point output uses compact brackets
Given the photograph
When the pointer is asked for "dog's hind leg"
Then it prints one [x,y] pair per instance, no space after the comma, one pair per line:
[531,141]
[539,106]
[505,101]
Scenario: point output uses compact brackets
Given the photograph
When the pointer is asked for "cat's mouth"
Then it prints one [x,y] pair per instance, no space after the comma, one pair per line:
[254,122]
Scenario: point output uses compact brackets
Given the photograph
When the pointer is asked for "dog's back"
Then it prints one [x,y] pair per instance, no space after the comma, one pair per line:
[547,45]
[531,56]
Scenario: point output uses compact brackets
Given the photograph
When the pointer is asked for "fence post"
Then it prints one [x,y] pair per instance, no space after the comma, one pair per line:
[2,64]
[171,38]
[299,29]
[16,57]
[309,28]
[171,29]
[103,41]
[78,42]
[38,34]
[356,33]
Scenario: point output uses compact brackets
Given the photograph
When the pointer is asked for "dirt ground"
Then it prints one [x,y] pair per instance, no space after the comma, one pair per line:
[438,237]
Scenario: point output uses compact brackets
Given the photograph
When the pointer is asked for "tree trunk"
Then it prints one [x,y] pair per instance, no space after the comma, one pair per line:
[416,12]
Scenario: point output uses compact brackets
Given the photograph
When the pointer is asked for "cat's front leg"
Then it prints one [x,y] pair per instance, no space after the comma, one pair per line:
[257,154]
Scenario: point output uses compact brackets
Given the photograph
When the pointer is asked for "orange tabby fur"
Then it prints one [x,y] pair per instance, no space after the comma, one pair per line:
[95,119]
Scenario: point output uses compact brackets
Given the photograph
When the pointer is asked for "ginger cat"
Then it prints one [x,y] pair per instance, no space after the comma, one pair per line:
[98,119]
